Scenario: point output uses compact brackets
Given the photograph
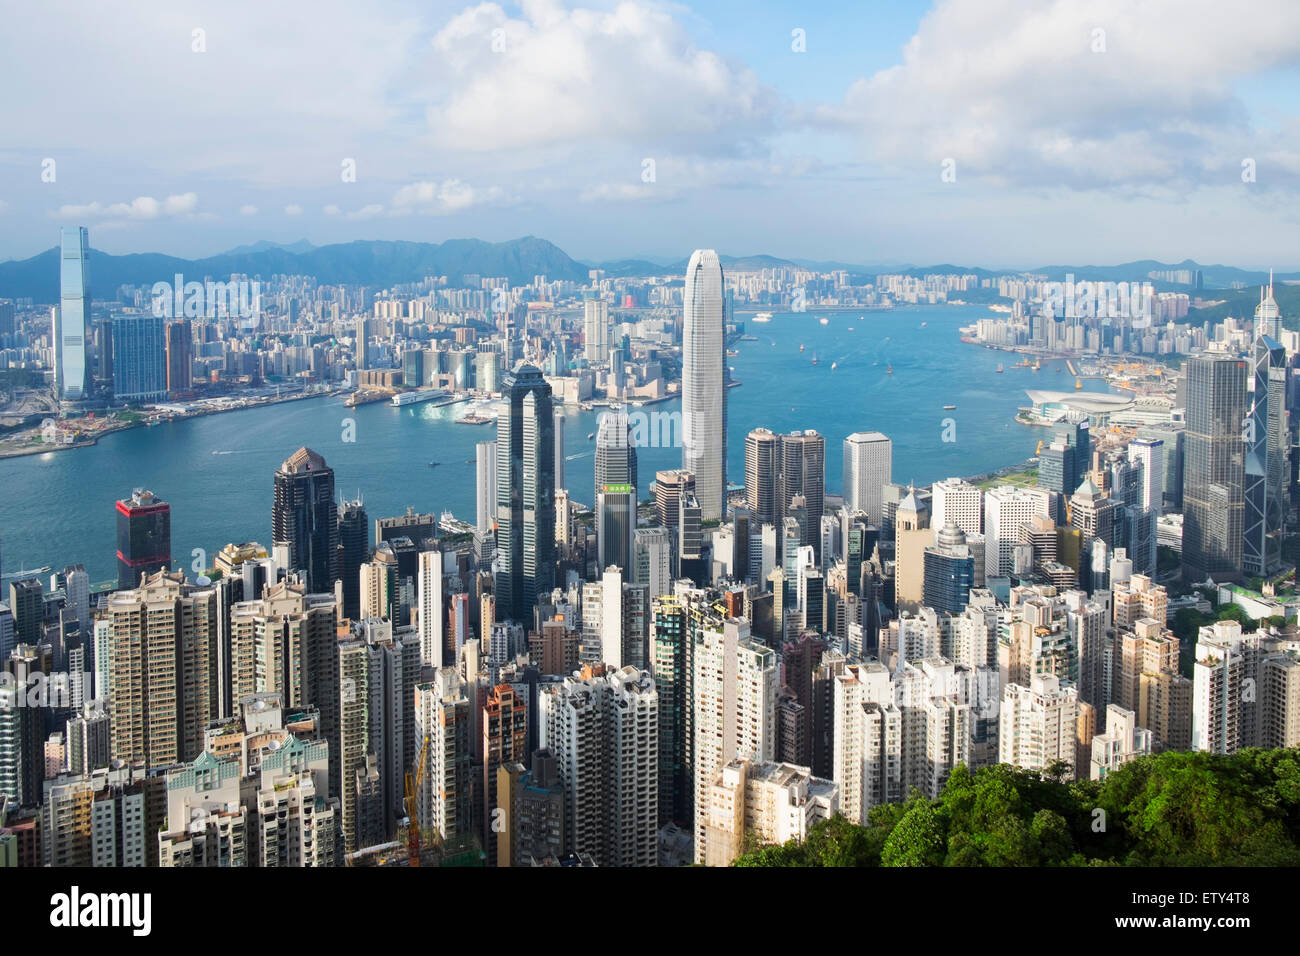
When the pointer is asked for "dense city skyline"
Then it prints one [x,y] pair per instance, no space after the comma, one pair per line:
[854,436]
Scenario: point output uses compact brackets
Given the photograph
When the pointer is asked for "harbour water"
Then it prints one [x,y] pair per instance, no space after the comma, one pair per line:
[216,471]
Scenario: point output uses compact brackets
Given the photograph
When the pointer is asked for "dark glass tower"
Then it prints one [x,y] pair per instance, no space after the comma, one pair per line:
[1267,466]
[1214,467]
[525,493]
[304,517]
[354,550]
[803,473]
[616,491]
[144,537]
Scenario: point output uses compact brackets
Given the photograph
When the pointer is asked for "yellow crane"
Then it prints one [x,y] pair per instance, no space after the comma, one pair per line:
[413,783]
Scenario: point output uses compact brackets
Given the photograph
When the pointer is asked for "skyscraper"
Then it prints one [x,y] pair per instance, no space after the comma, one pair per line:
[733,691]
[179,351]
[1267,467]
[1214,469]
[525,493]
[762,452]
[616,492]
[803,474]
[1268,318]
[165,653]
[868,465]
[304,517]
[595,328]
[354,549]
[704,397]
[431,608]
[486,484]
[139,358]
[73,316]
[144,537]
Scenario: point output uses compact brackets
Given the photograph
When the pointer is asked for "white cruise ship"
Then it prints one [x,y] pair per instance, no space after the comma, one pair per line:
[419,395]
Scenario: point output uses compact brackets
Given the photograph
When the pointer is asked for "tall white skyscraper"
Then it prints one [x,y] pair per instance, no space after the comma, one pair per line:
[72,320]
[595,328]
[604,732]
[704,397]
[559,449]
[868,467]
[431,611]
[486,484]
[958,501]
[734,703]
[1037,723]
[1005,510]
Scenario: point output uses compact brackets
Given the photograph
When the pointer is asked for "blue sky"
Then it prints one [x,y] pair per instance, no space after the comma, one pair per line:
[1080,131]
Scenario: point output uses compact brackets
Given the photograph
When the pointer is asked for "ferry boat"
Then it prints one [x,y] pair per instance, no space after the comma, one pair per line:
[949,408]
[419,395]
[763,317]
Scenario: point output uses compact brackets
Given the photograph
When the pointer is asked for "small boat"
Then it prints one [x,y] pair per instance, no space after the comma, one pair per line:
[889,370]
[590,435]
[850,328]
[1078,384]
[814,359]
[999,368]
[834,365]
[800,346]
[824,321]
[949,408]
[922,325]
[433,464]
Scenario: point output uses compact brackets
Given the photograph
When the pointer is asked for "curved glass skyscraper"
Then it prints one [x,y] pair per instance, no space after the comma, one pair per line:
[704,395]
[525,493]
[74,313]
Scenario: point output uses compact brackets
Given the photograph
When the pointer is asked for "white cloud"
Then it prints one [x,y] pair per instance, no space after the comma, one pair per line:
[141,208]
[631,74]
[331,210]
[248,210]
[1013,91]
[293,210]
[366,212]
[448,196]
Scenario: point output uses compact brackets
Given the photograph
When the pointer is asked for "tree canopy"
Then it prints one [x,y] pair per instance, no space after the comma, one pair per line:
[1170,809]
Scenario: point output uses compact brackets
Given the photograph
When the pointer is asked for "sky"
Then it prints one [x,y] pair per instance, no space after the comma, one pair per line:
[996,133]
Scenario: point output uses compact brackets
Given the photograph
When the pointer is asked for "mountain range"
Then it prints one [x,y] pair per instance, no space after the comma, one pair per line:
[383,264]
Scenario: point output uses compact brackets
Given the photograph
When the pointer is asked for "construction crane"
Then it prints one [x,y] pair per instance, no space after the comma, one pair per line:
[413,783]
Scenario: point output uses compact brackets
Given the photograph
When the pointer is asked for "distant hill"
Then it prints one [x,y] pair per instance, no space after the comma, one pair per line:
[1240,304]
[382,264]
[379,264]
[302,245]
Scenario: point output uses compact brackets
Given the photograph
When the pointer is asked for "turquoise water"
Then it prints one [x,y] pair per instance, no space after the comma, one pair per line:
[217,471]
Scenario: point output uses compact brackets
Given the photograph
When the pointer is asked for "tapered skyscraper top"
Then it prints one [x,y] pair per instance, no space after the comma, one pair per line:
[74,313]
[704,397]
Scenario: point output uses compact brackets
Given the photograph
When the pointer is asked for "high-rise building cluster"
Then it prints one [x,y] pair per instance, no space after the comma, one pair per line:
[671,673]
